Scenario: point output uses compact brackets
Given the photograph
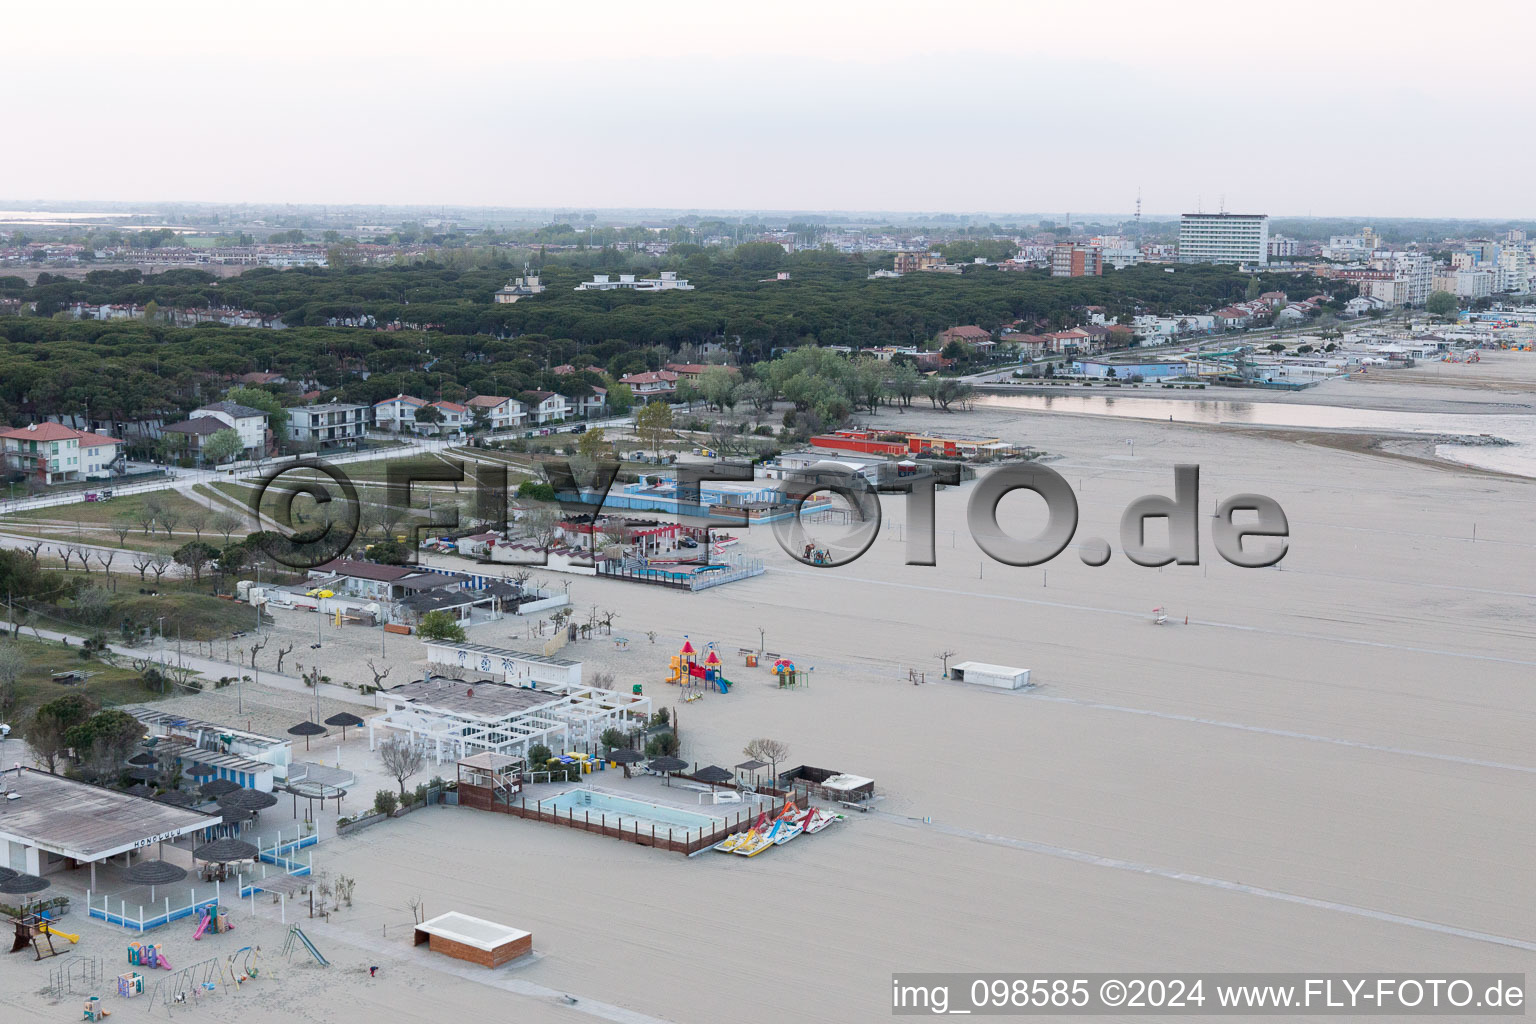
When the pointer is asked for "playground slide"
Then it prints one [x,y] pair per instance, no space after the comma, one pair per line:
[161,962]
[63,935]
[724,684]
[322,961]
[202,926]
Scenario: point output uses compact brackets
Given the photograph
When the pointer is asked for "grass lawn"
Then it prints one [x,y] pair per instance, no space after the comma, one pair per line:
[105,684]
[105,513]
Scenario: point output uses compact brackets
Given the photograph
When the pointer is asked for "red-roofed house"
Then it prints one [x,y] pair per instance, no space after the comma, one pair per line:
[52,453]
[398,413]
[970,334]
[652,384]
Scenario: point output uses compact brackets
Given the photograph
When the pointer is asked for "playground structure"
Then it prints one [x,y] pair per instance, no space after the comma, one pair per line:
[205,977]
[94,1010]
[789,676]
[695,676]
[146,954]
[84,972]
[296,939]
[33,930]
[246,969]
[214,917]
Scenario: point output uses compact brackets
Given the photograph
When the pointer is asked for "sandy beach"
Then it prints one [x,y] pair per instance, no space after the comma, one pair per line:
[1323,765]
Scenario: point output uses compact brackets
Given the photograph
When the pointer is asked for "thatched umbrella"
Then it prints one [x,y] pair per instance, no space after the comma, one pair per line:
[667,765]
[225,851]
[234,815]
[24,885]
[200,771]
[6,873]
[176,798]
[139,789]
[143,772]
[307,729]
[752,765]
[142,758]
[218,787]
[345,719]
[153,873]
[713,774]
[626,758]
[250,799]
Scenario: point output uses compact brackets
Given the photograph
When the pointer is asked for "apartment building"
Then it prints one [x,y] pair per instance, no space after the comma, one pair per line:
[331,425]
[502,413]
[1224,238]
[1068,260]
[398,413]
[51,453]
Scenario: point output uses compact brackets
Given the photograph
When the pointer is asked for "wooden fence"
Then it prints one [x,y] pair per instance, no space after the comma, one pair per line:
[685,841]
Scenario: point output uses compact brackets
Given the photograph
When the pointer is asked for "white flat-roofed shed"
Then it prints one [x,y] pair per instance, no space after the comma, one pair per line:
[1000,677]
[474,939]
[519,668]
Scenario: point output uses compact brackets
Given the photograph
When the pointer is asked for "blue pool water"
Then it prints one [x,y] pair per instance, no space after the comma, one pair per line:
[616,808]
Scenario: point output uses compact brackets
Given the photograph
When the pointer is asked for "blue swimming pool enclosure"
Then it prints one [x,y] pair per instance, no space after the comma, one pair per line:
[620,808]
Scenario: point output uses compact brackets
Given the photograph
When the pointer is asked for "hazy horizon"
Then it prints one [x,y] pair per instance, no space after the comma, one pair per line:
[1312,109]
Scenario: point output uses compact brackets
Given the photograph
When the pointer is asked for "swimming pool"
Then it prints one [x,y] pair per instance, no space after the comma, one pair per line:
[616,809]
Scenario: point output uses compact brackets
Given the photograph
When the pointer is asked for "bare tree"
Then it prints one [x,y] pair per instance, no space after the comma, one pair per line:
[608,616]
[159,565]
[84,555]
[256,649]
[122,525]
[379,675]
[142,562]
[169,517]
[105,560]
[402,757]
[225,523]
[34,549]
[282,652]
[944,657]
[147,513]
[772,751]
[67,553]
[197,518]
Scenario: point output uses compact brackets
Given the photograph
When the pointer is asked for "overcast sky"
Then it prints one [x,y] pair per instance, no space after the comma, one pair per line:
[1344,107]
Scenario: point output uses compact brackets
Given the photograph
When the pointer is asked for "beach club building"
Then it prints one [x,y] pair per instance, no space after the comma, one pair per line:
[457,719]
[1105,368]
[248,759]
[50,823]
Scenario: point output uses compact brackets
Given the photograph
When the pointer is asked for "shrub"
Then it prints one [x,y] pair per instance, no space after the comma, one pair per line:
[420,794]
[385,801]
[663,716]
[663,744]
[539,753]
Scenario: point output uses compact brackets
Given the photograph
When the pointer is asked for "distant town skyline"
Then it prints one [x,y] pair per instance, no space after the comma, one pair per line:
[1320,109]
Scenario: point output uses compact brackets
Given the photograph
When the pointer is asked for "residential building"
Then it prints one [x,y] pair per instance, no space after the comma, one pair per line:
[545,407]
[1475,284]
[1068,260]
[249,423]
[51,453]
[1514,270]
[912,262]
[1224,238]
[969,334]
[398,413]
[667,282]
[328,426]
[1282,248]
[652,384]
[693,371]
[589,405]
[453,418]
[518,288]
[503,413]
